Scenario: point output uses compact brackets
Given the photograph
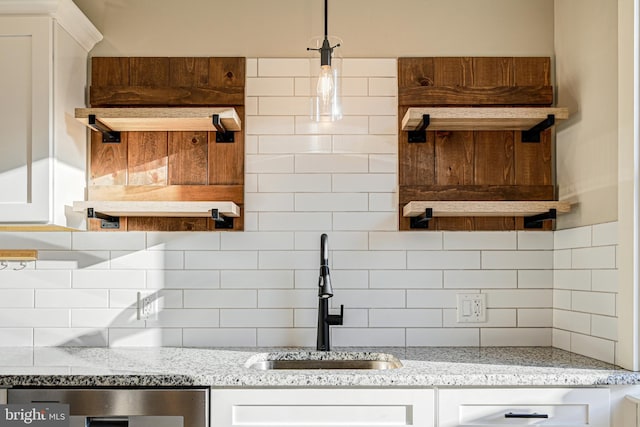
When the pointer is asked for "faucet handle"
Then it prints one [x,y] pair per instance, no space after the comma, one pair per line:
[336,319]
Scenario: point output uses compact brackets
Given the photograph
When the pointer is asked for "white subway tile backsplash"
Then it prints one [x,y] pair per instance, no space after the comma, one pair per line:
[355,86]
[369,67]
[219,337]
[332,163]
[535,279]
[16,298]
[338,240]
[383,125]
[106,318]
[454,240]
[69,260]
[251,67]
[36,279]
[256,279]
[262,318]
[251,221]
[443,337]
[96,241]
[54,240]
[269,125]
[561,339]
[71,298]
[572,321]
[294,183]
[370,105]
[366,144]
[434,298]
[364,221]
[562,299]
[525,260]
[369,298]
[290,298]
[283,106]
[405,318]
[222,298]
[383,86]
[250,109]
[562,258]
[481,279]
[381,183]
[406,279]
[286,337]
[594,302]
[268,202]
[257,241]
[279,260]
[69,337]
[572,238]
[269,163]
[605,234]
[340,279]
[515,337]
[16,337]
[283,67]
[604,327]
[383,163]
[183,279]
[535,240]
[383,202]
[596,257]
[351,125]
[572,279]
[151,260]
[604,280]
[371,260]
[495,318]
[531,298]
[294,144]
[107,279]
[353,318]
[440,260]
[185,318]
[535,318]
[368,337]
[34,317]
[250,183]
[157,337]
[127,298]
[269,86]
[302,87]
[594,347]
[405,241]
[216,260]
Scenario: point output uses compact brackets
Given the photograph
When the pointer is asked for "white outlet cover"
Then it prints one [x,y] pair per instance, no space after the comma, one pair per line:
[471,308]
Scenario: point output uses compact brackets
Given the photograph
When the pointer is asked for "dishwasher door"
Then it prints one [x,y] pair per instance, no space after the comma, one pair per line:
[95,407]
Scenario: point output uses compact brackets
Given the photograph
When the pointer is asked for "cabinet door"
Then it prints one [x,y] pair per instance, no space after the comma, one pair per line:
[25,123]
[322,407]
[523,407]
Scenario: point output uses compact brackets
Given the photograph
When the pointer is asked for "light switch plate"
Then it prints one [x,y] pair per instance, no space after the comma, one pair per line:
[471,308]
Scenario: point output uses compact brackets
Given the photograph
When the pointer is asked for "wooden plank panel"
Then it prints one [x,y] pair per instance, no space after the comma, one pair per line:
[454,154]
[138,96]
[167,224]
[475,192]
[108,162]
[188,72]
[188,155]
[533,160]
[532,71]
[493,158]
[147,158]
[492,71]
[109,71]
[457,95]
[226,159]
[415,72]
[235,193]
[227,72]
[452,71]
[149,71]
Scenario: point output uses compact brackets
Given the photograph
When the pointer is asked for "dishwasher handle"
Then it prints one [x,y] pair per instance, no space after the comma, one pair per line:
[534,415]
[107,422]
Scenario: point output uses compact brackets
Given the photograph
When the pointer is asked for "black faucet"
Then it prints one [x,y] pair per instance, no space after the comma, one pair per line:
[325,291]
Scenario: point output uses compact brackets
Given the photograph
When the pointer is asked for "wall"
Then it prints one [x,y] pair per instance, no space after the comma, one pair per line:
[586,40]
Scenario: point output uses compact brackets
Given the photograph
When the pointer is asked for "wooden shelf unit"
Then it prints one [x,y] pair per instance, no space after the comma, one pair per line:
[18,255]
[480,118]
[483,208]
[162,119]
[161,209]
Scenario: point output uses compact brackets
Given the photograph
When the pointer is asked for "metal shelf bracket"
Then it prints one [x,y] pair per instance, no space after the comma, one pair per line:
[106,221]
[108,135]
[420,133]
[533,134]
[222,134]
[535,221]
[421,221]
[221,221]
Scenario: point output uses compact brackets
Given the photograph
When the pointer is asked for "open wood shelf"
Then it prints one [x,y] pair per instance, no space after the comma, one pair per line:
[162,119]
[482,208]
[480,118]
[158,209]
[18,255]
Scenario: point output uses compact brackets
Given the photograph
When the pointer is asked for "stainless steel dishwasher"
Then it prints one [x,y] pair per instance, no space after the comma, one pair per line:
[96,407]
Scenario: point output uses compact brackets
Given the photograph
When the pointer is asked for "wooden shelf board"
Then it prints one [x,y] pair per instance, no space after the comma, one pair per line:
[482,208]
[481,118]
[159,209]
[161,119]
[18,255]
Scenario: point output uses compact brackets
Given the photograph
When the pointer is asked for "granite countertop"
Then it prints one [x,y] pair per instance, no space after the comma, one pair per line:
[222,367]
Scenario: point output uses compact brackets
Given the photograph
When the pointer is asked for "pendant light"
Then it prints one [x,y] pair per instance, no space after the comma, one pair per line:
[326,85]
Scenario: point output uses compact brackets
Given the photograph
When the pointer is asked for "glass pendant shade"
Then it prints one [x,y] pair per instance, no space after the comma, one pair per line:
[325,80]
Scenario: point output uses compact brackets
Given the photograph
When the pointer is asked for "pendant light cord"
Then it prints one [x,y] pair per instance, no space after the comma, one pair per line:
[326,19]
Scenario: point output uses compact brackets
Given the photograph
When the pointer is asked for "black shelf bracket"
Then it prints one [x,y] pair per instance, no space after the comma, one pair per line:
[421,221]
[221,221]
[106,221]
[533,134]
[535,221]
[222,134]
[420,133]
[108,135]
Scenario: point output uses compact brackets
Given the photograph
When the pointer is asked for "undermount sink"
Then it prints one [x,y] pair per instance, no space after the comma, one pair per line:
[323,360]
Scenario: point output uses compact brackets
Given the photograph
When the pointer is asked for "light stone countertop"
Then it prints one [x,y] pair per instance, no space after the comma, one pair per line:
[226,367]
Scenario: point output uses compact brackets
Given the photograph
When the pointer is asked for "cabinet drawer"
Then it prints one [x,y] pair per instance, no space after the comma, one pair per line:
[524,407]
[322,407]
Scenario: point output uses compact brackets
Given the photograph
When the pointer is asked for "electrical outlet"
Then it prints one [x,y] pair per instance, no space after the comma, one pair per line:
[147,307]
[472,308]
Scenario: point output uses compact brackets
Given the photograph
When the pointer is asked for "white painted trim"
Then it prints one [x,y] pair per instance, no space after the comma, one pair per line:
[65,12]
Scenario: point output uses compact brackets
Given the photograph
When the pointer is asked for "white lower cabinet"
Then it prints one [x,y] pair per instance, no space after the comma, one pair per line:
[524,407]
[322,407]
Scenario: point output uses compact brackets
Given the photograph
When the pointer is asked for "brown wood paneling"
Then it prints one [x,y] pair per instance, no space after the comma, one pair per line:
[139,96]
[226,159]
[479,96]
[533,160]
[167,224]
[188,72]
[188,158]
[109,71]
[532,71]
[409,193]
[452,71]
[108,162]
[227,72]
[415,72]
[189,193]
[149,71]
[147,158]
[493,158]
[492,71]
[454,155]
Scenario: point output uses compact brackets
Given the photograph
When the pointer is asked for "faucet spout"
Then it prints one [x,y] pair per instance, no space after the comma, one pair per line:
[325,291]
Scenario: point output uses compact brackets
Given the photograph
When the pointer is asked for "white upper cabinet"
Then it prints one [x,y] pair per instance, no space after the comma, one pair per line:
[43,76]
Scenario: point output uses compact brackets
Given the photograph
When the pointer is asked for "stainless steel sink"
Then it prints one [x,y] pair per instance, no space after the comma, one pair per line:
[318,360]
